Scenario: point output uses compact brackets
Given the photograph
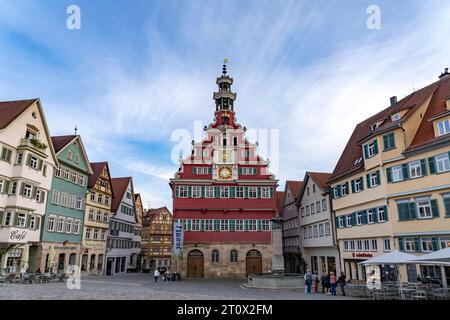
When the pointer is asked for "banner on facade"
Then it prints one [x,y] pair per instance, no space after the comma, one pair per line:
[178,236]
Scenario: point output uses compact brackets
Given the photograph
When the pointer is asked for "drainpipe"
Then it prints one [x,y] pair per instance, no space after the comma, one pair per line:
[333,228]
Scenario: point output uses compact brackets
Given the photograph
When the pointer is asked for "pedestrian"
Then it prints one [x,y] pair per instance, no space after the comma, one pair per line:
[316,283]
[167,275]
[156,275]
[333,283]
[308,281]
[342,282]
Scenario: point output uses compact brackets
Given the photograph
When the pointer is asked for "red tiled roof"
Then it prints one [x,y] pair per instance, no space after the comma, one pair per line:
[150,214]
[320,178]
[60,142]
[363,130]
[280,200]
[294,186]
[97,168]
[119,186]
[10,110]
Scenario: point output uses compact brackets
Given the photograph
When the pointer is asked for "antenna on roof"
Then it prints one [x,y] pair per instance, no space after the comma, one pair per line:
[76,129]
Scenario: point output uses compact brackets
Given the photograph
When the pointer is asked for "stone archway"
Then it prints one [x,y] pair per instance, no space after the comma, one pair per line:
[253,262]
[195,263]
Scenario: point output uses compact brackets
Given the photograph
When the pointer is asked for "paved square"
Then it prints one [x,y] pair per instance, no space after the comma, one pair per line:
[142,287]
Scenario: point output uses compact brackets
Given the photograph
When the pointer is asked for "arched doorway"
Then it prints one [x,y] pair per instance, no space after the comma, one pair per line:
[195,264]
[253,262]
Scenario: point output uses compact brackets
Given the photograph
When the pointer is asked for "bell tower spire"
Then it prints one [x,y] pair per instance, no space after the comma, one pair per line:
[224,97]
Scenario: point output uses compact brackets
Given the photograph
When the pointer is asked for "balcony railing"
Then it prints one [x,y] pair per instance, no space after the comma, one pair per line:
[33,143]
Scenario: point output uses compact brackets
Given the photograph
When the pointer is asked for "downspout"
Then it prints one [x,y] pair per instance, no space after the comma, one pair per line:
[333,227]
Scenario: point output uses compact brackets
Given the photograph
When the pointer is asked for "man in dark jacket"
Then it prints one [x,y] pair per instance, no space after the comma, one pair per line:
[342,282]
[325,283]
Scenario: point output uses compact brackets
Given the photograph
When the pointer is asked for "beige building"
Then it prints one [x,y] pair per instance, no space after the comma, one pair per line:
[391,186]
[96,219]
[136,258]
[157,238]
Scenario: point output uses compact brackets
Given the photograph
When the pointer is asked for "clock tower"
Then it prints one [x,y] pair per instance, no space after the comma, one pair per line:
[224,195]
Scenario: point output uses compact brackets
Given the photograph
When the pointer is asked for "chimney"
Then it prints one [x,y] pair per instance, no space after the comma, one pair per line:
[393,101]
[445,74]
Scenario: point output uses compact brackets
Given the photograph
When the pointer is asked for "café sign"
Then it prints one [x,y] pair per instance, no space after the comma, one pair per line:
[18,235]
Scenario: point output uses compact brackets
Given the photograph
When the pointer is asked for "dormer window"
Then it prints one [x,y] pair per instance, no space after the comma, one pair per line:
[357,161]
[371,149]
[395,117]
[443,127]
[374,127]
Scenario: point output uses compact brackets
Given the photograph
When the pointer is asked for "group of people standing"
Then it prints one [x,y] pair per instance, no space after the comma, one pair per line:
[161,272]
[328,282]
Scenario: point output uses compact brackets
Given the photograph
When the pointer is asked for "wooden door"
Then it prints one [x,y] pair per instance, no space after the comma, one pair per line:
[253,262]
[195,264]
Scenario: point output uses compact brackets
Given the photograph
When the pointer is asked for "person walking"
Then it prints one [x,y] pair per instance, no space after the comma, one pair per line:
[342,282]
[308,281]
[316,283]
[156,275]
[333,283]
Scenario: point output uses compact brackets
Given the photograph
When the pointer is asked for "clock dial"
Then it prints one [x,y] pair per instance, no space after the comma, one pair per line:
[225,173]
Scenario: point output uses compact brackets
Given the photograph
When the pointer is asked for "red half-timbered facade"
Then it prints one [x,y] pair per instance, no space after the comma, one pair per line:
[224,195]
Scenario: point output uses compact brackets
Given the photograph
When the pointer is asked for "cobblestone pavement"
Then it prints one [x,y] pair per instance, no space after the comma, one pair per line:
[142,287]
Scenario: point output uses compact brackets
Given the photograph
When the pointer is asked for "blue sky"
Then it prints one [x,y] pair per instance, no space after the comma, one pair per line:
[138,70]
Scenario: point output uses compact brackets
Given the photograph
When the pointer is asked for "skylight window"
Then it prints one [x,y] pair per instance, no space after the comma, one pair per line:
[357,161]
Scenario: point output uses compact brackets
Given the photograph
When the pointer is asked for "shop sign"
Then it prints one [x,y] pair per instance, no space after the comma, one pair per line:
[362,255]
[17,235]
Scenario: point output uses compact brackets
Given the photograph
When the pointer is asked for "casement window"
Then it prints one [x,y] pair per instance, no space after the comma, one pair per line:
[59,224]
[346,245]
[64,196]
[336,192]
[388,141]
[239,225]
[66,174]
[327,229]
[424,208]
[38,195]
[252,192]
[318,209]
[427,244]
[373,179]
[208,225]
[195,225]
[21,220]
[374,245]
[2,186]
[415,169]
[103,235]
[233,256]
[107,199]
[252,225]
[371,149]
[443,127]
[91,214]
[224,192]
[444,242]
[410,245]
[265,225]
[13,187]
[446,198]
[307,191]
[386,244]
[310,234]
[128,195]
[215,257]
[72,201]
[239,192]
[321,230]
[79,203]
[349,220]
[73,177]
[316,231]
[307,211]
[69,155]
[359,218]
[8,218]
[6,154]
[105,217]
[95,234]
[99,215]
[77,158]
[370,216]
[442,163]
[19,158]
[100,198]
[341,221]
[58,172]
[27,190]
[88,233]
[68,225]
[324,204]
[359,245]
[224,225]
[344,189]
[265,192]
[382,215]
[302,211]
[397,173]
[352,245]
[182,191]
[305,233]
[366,244]
[196,191]
[51,223]
[313,209]
[92,196]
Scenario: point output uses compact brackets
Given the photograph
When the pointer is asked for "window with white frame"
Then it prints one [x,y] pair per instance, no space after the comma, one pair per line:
[305,233]
[371,150]
[252,226]
[373,179]
[341,222]
[359,218]
[51,223]
[224,192]
[318,209]
[183,191]
[359,245]
[105,217]
[239,192]
[370,216]
[415,170]
[19,158]
[59,224]
[427,244]
[8,218]
[195,225]
[444,242]
[302,210]
[346,245]
[95,234]
[79,203]
[55,197]
[358,185]
[352,245]
[64,199]
[38,195]
[91,214]
[321,230]
[224,225]
[327,229]
[68,225]
[366,245]
[349,220]
[99,215]
[27,190]
[310,234]
[324,204]
[21,219]
[397,173]
[344,189]
[72,201]
[88,233]
[252,192]
[313,208]
[208,225]
[307,211]
[196,191]
[442,163]
[316,231]
[34,161]
[103,235]
[374,245]
[443,127]
[410,245]
[265,225]
[381,214]
[424,208]
[66,174]
[209,192]
[265,192]
[69,155]
[239,225]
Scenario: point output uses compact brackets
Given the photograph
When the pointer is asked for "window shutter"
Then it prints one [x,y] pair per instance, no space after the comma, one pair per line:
[28,159]
[8,155]
[38,222]
[362,183]
[189,191]
[375,144]
[353,185]
[347,187]
[417,244]
[258,223]
[6,187]
[194,170]
[240,170]
[423,167]
[27,224]
[364,216]
[366,151]
[401,244]
[202,225]
[1,217]
[216,225]
[368,181]
[22,186]
[202,188]
[389,174]
[412,214]
[245,192]
[378,177]
[40,162]
[16,218]
[258,192]
[271,192]
[435,244]
[385,215]
[354,219]
[375,214]
[434,208]
[177,191]
[216,192]
[33,193]
[339,190]
[386,142]
[432,165]
[337,222]
[3,153]
[344,221]
[405,170]
[447,206]
[245,225]
[232,225]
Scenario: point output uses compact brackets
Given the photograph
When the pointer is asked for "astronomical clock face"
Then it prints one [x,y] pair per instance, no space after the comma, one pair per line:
[225,173]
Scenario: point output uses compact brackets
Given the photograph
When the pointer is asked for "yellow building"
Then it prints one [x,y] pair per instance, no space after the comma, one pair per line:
[96,219]
[137,239]
[157,238]
[391,185]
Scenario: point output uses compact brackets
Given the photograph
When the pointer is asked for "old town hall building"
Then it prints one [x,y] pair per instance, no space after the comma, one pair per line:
[225,197]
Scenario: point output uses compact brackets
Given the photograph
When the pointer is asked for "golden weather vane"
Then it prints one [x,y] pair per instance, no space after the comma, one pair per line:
[225,60]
